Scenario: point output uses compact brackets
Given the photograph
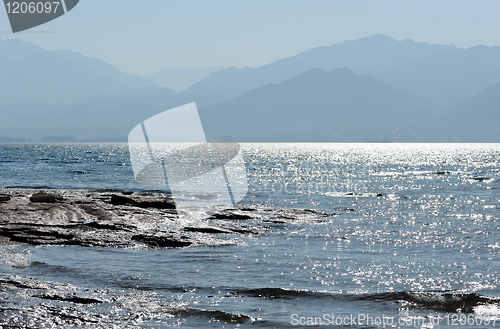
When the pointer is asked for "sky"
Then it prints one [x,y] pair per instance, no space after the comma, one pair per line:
[144,36]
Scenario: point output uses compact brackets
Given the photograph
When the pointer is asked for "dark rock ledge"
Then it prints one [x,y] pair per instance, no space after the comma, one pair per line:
[103,219]
[27,302]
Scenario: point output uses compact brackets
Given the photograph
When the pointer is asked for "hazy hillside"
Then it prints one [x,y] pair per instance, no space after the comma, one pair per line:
[484,105]
[29,73]
[112,116]
[449,77]
[371,55]
[476,119]
[306,97]
[181,79]
[314,106]
[14,49]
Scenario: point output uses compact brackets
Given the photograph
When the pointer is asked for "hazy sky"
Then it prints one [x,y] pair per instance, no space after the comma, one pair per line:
[143,36]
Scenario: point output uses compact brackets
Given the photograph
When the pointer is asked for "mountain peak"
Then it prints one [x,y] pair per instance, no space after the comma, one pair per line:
[379,39]
[15,49]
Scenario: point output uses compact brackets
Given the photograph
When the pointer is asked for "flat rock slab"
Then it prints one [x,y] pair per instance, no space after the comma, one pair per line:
[95,219]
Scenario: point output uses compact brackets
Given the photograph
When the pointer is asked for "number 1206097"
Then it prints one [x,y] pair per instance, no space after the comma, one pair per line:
[470,320]
[31,7]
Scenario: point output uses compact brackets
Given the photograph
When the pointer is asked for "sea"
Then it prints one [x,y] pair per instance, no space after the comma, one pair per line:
[357,235]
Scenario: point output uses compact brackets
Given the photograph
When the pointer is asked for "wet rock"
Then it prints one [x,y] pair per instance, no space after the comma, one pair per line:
[379,195]
[230,215]
[127,192]
[70,298]
[32,303]
[243,231]
[204,230]
[160,241]
[43,197]
[103,226]
[158,204]
[214,315]
[85,218]
[4,198]
[274,221]
[142,202]
[123,201]
[247,209]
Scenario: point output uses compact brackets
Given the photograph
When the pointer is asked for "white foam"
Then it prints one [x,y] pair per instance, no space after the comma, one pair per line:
[492,310]
[15,257]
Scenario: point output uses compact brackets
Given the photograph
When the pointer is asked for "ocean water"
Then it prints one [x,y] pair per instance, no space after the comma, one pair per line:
[357,235]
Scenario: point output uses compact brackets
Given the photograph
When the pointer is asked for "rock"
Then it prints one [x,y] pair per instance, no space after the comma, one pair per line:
[92,221]
[5,198]
[211,230]
[204,230]
[142,202]
[123,201]
[160,241]
[158,204]
[234,216]
[43,197]
[70,298]
[127,192]
[243,231]
[379,194]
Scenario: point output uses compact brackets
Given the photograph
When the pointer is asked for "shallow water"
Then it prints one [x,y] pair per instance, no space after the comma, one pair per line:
[407,232]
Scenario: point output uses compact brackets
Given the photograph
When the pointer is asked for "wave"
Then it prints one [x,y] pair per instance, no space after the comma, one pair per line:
[212,315]
[14,256]
[449,302]
[30,187]
[437,301]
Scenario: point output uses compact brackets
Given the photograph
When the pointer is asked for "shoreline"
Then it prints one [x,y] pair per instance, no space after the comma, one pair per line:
[109,219]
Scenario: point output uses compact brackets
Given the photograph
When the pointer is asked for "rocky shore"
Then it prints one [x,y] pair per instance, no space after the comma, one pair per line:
[117,219]
[96,218]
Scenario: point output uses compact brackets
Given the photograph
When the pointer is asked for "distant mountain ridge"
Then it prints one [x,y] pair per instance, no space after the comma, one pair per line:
[449,77]
[371,55]
[371,89]
[29,73]
[314,106]
[476,119]
[181,79]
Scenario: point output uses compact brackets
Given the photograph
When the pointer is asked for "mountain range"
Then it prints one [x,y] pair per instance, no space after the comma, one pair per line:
[29,73]
[371,89]
[181,79]
[314,106]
